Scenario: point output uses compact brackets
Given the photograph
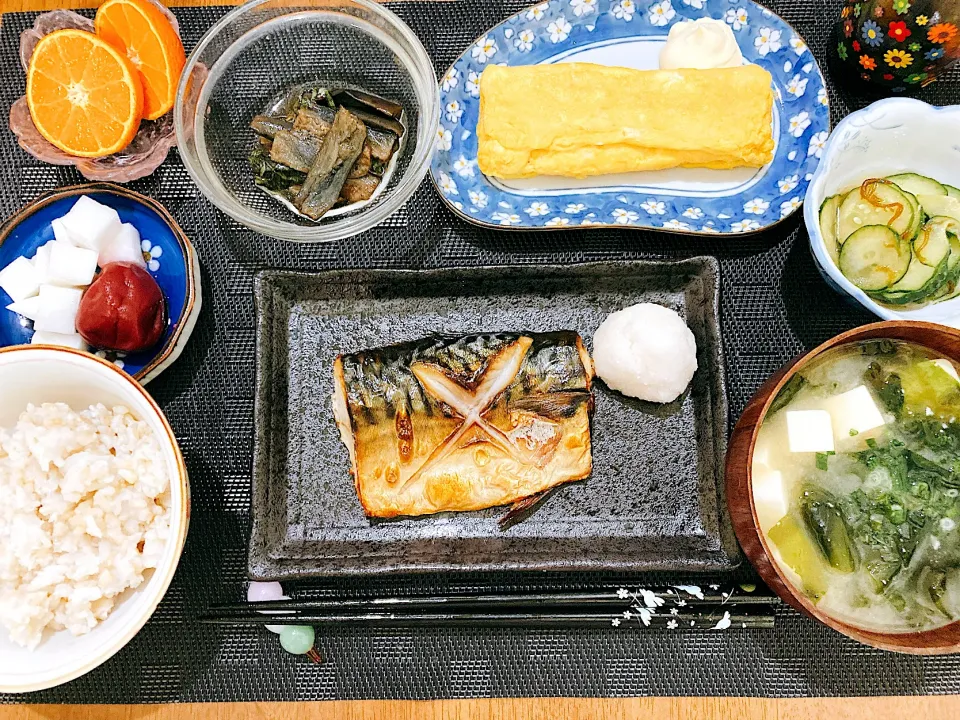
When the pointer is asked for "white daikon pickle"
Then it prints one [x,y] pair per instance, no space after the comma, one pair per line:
[90,224]
[70,340]
[60,232]
[41,261]
[29,307]
[58,309]
[71,266]
[19,279]
[123,247]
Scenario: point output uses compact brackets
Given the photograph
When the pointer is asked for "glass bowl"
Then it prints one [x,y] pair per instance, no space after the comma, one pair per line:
[261,50]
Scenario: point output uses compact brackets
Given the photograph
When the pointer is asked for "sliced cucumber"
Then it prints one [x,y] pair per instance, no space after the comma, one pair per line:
[952,191]
[829,215]
[941,205]
[874,258]
[929,270]
[932,245]
[857,212]
[951,288]
[917,184]
[919,216]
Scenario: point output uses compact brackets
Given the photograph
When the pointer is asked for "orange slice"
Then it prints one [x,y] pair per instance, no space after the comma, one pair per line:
[84,96]
[143,33]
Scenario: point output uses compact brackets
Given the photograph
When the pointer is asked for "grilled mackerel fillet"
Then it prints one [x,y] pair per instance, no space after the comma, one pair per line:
[464,423]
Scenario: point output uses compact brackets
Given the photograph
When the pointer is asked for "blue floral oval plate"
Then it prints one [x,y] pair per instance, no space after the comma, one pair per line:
[629,33]
[170,256]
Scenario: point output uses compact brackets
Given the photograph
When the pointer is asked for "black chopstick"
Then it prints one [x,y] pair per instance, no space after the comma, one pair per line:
[677,606]
[706,618]
[682,595]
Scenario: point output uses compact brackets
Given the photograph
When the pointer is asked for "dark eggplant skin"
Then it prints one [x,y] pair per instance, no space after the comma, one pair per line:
[358,98]
[339,151]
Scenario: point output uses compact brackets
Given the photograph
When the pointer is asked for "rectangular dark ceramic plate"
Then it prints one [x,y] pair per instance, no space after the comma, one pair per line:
[654,501]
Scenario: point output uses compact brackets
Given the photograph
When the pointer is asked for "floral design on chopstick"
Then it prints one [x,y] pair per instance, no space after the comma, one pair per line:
[673,605]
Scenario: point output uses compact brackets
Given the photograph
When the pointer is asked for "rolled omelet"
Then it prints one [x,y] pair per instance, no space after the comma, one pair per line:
[580,120]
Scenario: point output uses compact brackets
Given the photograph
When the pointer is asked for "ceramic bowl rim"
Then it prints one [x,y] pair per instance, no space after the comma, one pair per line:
[745,437]
[179,517]
[179,334]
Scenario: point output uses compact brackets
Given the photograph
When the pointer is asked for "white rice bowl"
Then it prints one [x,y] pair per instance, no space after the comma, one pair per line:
[85,514]
[645,351]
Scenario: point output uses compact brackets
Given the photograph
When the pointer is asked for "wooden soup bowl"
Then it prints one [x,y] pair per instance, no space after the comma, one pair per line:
[739,485]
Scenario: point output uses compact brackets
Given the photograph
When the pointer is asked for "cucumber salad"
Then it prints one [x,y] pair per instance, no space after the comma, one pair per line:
[897,238]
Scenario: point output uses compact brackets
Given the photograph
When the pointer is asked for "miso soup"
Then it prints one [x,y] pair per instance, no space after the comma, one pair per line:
[856,482]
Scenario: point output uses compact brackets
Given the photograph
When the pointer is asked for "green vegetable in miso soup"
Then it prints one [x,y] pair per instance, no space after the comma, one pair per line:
[801,554]
[873,529]
[822,515]
[787,393]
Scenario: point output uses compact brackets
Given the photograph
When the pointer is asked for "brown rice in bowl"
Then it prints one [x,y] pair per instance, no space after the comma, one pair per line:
[85,514]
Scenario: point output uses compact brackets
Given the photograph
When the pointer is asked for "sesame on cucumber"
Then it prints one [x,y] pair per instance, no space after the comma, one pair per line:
[897,238]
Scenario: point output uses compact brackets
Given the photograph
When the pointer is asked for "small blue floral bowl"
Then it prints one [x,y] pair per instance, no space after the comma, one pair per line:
[170,256]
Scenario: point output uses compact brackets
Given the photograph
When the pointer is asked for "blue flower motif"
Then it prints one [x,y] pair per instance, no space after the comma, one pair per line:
[872,34]
[934,54]
[557,28]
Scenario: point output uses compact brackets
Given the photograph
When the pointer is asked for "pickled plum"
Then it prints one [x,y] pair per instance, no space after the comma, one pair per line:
[123,310]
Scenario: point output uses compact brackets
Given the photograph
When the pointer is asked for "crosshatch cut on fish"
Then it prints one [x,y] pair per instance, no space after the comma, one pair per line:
[465,423]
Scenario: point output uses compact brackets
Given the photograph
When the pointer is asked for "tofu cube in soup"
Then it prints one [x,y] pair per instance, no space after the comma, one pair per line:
[854,414]
[809,431]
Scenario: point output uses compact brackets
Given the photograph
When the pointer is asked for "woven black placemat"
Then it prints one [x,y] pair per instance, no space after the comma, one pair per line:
[774,305]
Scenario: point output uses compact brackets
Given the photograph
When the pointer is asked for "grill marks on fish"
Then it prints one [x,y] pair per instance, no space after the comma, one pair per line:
[467,422]
[501,370]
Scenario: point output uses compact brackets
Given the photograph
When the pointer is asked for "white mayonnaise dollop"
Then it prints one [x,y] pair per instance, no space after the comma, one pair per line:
[703,44]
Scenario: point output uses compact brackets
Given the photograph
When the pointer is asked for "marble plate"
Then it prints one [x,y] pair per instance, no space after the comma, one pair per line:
[631,34]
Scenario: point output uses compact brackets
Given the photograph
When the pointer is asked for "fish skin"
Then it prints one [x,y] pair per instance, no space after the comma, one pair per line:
[318,118]
[268,126]
[339,150]
[295,148]
[533,435]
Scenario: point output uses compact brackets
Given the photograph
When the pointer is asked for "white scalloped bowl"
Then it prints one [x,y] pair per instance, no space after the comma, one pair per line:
[887,137]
